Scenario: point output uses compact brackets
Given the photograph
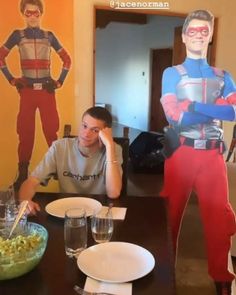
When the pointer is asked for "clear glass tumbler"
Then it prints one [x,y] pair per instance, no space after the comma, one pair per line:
[102,226]
[7,195]
[8,214]
[75,231]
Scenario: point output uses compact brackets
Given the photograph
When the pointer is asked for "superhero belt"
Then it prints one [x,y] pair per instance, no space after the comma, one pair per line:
[204,144]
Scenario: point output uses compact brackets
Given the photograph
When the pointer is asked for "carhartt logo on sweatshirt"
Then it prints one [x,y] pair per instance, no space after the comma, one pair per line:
[81,177]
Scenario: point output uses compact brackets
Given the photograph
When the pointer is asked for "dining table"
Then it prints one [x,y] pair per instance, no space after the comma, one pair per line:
[145,224]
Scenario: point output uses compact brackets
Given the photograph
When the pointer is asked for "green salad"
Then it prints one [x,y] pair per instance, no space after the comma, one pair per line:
[18,245]
[20,254]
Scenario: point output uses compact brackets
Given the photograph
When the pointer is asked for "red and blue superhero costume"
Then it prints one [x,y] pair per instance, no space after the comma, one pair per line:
[195,97]
[36,87]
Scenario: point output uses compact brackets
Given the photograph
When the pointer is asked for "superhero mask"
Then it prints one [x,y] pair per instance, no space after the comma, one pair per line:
[192,31]
[29,13]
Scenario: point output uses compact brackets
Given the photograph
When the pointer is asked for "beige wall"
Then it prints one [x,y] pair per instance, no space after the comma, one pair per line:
[225,54]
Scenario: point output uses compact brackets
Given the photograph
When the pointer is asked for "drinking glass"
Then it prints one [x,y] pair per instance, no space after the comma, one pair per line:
[102,226]
[8,213]
[7,195]
[75,231]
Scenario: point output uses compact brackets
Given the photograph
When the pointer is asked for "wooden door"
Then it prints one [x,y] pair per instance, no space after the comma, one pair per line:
[179,51]
[161,59]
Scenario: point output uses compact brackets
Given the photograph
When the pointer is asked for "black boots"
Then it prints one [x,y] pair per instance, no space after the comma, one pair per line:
[22,175]
[223,288]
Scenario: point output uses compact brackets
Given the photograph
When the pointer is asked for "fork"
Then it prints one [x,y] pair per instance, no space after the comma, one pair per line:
[83,292]
[109,209]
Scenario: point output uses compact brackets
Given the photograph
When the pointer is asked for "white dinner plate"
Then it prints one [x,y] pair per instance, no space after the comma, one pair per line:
[115,262]
[58,208]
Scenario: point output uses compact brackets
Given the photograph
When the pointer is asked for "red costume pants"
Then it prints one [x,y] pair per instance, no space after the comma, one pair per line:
[30,101]
[203,171]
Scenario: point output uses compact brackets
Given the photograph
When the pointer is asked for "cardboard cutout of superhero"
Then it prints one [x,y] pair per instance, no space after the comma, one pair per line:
[195,98]
[36,87]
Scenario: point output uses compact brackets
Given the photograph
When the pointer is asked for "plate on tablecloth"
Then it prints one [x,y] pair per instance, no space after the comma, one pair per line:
[116,262]
[58,208]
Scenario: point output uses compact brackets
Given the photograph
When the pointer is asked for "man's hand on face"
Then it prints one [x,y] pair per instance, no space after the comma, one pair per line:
[105,136]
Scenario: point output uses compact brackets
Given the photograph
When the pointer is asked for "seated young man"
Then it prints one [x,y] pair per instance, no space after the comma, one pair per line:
[87,164]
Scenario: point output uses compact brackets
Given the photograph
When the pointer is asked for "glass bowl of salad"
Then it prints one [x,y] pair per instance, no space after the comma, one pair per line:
[23,251]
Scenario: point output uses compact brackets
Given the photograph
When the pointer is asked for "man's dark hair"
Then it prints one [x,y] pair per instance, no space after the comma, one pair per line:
[38,3]
[198,14]
[100,113]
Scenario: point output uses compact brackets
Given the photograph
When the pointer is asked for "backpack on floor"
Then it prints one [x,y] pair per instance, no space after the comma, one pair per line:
[146,153]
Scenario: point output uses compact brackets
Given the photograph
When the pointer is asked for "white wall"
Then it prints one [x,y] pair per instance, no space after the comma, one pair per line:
[123,66]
